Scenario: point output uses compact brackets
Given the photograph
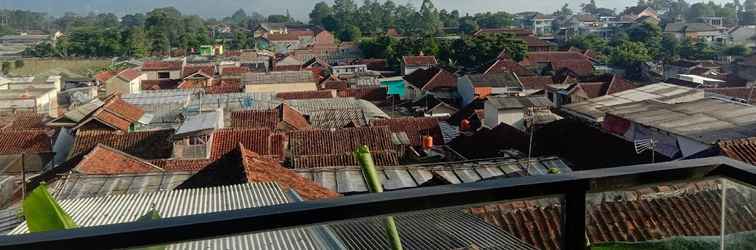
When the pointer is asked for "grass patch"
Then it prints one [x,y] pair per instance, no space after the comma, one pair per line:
[73,68]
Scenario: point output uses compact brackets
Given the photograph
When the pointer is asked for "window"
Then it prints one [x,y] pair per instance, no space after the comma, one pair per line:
[164,75]
[199,140]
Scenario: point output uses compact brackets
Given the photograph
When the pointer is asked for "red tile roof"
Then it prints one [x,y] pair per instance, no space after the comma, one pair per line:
[741,149]
[114,113]
[262,141]
[380,158]
[261,169]
[130,74]
[234,71]
[743,93]
[505,65]
[335,84]
[104,160]
[574,61]
[534,42]
[320,94]
[419,60]
[284,37]
[192,69]
[415,128]
[222,86]
[432,79]
[313,148]
[154,144]
[162,65]
[536,82]
[651,217]
[282,117]
[375,94]
[24,141]
[104,76]
[182,165]
[159,84]
[26,121]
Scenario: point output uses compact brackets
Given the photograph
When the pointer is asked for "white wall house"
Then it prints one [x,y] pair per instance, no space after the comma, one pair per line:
[511,110]
[127,82]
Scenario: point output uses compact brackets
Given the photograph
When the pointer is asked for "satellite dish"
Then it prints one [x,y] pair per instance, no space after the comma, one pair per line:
[644,145]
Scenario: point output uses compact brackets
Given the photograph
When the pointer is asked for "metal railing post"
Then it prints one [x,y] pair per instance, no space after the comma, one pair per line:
[573,220]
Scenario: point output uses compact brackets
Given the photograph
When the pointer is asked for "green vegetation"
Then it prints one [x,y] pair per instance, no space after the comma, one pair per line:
[468,52]
[43,213]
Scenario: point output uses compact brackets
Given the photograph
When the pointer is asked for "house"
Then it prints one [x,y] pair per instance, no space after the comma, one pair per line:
[193,139]
[442,83]
[697,32]
[636,13]
[378,94]
[37,100]
[315,148]
[162,70]
[110,114]
[27,151]
[743,35]
[680,129]
[521,112]
[263,29]
[282,118]
[475,86]
[588,88]
[537,23]
[348,70]
[555,61]
[289,63]
[283,81]
[296,95]
[412,63]
[593,110]
[429,105]
[197,76]
[128,81]
[505,64]
[415,128]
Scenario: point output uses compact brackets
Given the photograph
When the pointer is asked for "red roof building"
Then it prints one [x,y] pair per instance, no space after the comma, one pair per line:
[298,95]
[415,128]
[14,142]
[322,148]
[150,145]
[162,65]
[114,114]
[432,79]
[104,160]
[262,141]
[576,62]
[282,118]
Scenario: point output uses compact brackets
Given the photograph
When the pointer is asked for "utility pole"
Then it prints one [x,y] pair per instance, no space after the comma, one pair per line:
[23,177]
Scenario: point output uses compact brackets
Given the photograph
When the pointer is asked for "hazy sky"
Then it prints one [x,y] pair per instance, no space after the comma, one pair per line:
[298,8]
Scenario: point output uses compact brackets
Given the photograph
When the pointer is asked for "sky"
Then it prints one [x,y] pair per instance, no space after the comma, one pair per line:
[299,9]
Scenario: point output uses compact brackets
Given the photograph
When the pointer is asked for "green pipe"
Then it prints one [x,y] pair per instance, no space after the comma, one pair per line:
[374,185]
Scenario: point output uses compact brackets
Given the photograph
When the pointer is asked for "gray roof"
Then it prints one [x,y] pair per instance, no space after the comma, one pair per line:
[337,118]
[75,185]
[278,77]
[207,121]
[519,102]
[434,229]
[114,209]
[594,109]
[690,27]
[9,219]
[705,120]
[347,180]
[495,80]
[78,113]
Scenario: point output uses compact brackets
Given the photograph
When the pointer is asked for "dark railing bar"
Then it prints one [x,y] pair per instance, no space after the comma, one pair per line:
[253,220]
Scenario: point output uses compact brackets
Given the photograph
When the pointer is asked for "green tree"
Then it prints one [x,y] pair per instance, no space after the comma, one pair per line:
[472,52]
[494,20]
[350,33]
[278,19]
[670,47]
[321,10]
[430,19]
[468,26]
[133,20]
[589,7]
[18,64]
[591,41]
[648,33]
[239,18]
[630,56]
[135,42]
[736,50]
[700,10]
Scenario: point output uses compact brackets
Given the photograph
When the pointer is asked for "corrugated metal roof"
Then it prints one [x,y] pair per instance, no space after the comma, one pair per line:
[349,180]
[82,186]
[115,209]
[705,120]
[82,111]
[519,102]
[592,109]
[9,219]
[435,229]
[201,122]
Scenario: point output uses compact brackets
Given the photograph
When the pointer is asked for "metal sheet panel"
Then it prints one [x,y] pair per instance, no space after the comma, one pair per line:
[398,179]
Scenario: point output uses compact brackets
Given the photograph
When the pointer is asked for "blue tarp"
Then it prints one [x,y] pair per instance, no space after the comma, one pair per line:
[395,87]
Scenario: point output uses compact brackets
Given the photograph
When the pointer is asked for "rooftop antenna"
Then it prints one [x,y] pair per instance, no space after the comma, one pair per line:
[644,145]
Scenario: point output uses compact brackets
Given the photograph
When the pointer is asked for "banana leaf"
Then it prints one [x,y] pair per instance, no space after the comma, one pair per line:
[43,213]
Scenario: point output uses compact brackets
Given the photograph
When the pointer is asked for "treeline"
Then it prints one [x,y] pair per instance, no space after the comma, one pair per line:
[736,12]
[470,52]
[135,35]
[349,21]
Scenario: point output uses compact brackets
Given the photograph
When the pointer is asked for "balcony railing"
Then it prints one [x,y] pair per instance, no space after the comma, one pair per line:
[572,188]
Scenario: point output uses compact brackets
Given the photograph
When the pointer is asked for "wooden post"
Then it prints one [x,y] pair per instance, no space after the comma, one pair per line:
[374,185]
